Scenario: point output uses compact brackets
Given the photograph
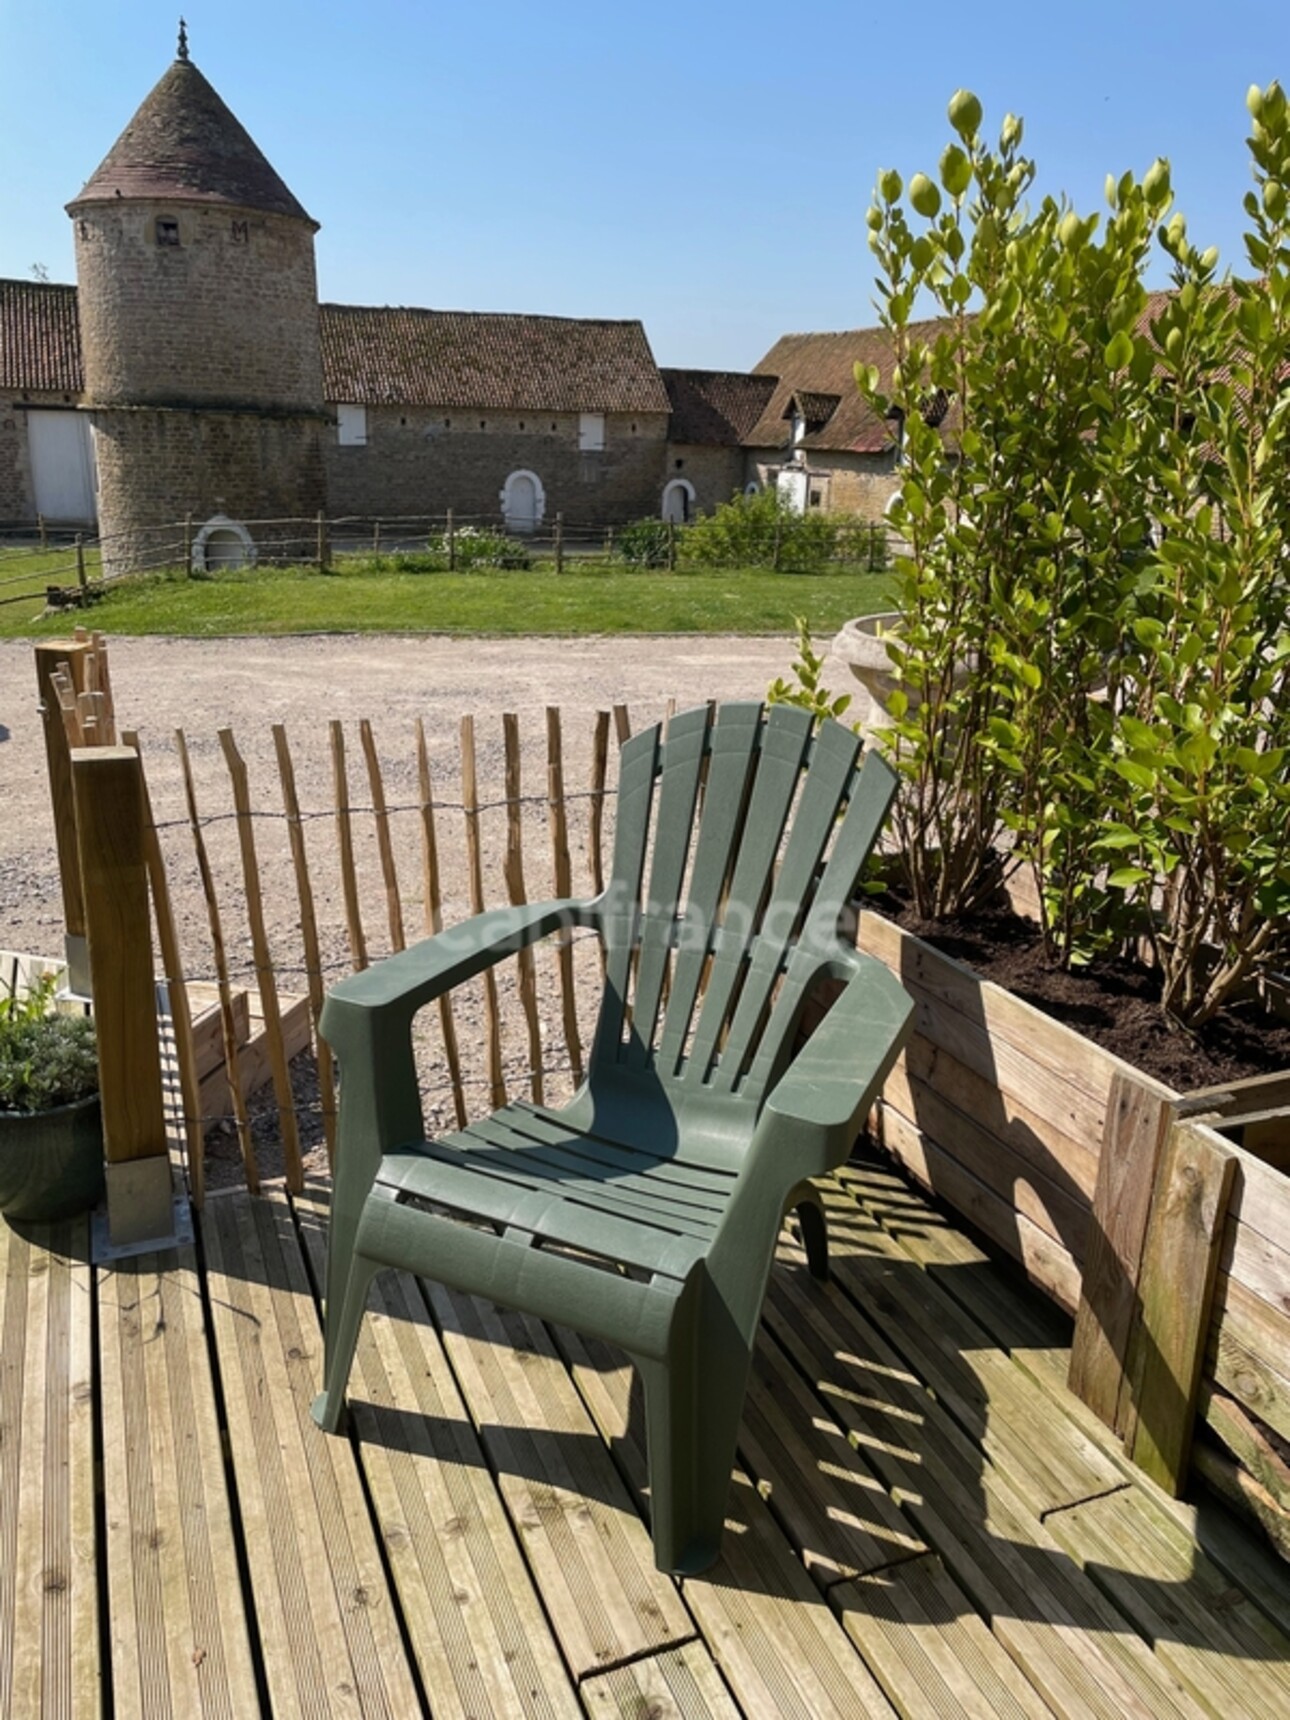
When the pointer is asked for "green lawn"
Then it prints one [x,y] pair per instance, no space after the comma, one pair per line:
[585,599]
[24,574]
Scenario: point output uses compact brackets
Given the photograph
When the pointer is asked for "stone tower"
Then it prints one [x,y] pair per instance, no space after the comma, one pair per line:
[199,327]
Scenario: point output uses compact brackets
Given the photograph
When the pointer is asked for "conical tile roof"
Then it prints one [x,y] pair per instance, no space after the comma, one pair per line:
[184,144]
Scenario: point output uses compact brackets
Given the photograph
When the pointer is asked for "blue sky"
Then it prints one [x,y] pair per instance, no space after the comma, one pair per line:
[705,167]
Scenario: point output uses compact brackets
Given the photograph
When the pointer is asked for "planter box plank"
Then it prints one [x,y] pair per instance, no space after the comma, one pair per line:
[1176,1287]
[1030,1134]
[996,1013]
[1261,1200]
[1248,1353]
[1062,1213]
[1046,1262]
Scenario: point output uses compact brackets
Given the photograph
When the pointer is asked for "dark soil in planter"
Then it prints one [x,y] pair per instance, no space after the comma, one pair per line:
[1113,1002]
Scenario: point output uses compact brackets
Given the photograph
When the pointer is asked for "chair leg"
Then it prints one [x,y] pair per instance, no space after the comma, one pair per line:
[694,1402]
[815,1234]
[341,1327]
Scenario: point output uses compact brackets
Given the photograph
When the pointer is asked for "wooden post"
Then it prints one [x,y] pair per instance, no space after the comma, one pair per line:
[515,887]
[107,785]
[1179,1265]
[323,556]
[52,657]
[80,570]
[376,537]
[559,543]
[475,875]
[451,536]
[345,843]
[774,554]
[562,882]
[433,910]
[1138,1120]
[671,546]
[44,535]
[188,543]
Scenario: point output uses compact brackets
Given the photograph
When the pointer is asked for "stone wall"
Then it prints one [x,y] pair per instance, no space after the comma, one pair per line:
[17,500]
[158,467]
[227,316]
[716,473]
[425,460]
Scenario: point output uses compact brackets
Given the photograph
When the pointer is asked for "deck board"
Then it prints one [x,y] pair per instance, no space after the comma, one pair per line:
[930,1654]
[326,1617]
[179,1627]
[477,1628]
[586,1543]
[775,1639]
[49,1637]
[906,1529]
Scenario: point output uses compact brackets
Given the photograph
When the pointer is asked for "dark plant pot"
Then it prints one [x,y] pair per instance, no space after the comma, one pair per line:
[51,1162]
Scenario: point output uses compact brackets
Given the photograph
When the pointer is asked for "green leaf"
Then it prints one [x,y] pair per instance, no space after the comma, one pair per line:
[1119,351]
[1125,877]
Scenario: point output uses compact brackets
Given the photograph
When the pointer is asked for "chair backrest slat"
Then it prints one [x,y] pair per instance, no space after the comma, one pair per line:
[784,742]
[732,754]
[718,965]
[685,751]
[830,775]
[872,788]
[637,770]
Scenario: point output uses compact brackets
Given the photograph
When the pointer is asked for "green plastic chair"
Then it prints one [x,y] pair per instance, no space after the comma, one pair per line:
[645,1212]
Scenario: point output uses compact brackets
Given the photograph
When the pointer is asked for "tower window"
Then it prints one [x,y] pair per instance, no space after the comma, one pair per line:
[591,432]
[167,231]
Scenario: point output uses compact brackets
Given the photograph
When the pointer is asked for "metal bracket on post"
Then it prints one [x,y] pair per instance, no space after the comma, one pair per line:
[146,1210]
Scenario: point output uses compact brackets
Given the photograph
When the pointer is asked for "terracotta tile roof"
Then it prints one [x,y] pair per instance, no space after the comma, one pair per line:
[40,337]
[819,368]
[715,407]
[185,144]
[480,358]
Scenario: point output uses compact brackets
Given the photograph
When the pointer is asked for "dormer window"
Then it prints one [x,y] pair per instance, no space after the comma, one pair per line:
[167,230]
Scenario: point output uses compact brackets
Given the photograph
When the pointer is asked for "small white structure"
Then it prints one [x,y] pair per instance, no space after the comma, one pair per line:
[222,544]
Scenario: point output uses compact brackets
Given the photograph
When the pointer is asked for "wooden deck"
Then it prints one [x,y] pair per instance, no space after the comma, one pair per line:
[923,1522]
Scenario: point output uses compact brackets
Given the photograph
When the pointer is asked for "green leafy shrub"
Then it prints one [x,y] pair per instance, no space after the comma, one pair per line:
[474,547]
[1094,661]
[407,561]
[46,1059]
[645,543]
[760,530]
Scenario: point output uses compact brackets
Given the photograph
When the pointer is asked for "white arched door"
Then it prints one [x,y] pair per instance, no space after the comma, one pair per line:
[678,501]
[523,502]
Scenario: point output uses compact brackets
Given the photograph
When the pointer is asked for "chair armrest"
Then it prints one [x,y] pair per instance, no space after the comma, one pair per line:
[390,993]
[815,1111]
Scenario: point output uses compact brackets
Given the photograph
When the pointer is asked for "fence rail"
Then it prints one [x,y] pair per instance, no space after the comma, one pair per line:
[68,568]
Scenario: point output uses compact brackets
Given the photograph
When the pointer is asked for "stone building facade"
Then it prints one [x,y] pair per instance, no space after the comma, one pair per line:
[510,418]
[220,391]
[711,413]
[198,304]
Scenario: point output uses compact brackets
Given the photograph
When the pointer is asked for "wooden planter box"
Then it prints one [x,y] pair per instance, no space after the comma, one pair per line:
[1169,1243]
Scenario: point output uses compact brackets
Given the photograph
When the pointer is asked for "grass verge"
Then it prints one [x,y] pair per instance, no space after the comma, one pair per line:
[583,600]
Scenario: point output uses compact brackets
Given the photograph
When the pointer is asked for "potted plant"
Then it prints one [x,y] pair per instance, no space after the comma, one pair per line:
[51,1139]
